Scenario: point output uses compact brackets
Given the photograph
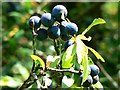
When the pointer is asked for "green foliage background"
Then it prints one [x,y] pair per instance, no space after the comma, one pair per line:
[17,38]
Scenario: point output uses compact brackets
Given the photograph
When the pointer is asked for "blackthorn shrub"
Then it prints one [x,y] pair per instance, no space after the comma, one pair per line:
[63,33]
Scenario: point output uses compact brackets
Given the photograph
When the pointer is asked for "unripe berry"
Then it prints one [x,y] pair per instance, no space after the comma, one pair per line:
[54,32]
[94,70]
[88,81]
[42,34]
[35,22]
[47,20]
[71,29]
[59,12]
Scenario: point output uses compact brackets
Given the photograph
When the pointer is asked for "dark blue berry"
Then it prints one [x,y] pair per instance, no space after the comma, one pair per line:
[47,20]
[68,43]
[59,12]
[62,27]
[35,22]
[42,34]
[71,28]
[54,32]
[88,81]
[94,70]
[95,79]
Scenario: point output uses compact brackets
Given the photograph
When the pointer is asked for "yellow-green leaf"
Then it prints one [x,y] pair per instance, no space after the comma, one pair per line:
[35,58]
[98,85]
[98,56]
[82,37]
[68,56]
[86,70]
[95,22]
[81,49]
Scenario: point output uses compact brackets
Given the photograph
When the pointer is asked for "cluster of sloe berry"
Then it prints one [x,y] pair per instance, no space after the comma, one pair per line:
[57,25]
[93,78]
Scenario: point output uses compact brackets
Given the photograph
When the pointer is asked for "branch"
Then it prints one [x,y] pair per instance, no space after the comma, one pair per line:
[64,70]
[107,75]
[31,78]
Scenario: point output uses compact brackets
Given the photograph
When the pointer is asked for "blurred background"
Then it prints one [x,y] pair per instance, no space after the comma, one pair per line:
[16,38]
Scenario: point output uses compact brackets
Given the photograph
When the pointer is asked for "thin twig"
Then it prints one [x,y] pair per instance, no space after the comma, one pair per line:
[63,70]
[56,48]
[107,75]
[29,81]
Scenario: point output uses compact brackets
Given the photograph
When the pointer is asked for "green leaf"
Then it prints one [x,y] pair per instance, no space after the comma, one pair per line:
[81,49]
[86,70]
[16,14]
[35,58]
[98,56]
[53,61]
[90,61]
[98,85]
[82,37]
[9,81]
[95,22]
[67,82]
[68,56]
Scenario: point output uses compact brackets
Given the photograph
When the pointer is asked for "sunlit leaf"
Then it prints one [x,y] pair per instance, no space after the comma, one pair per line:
[9,81]
[67,82]
[52,61]
[20,69]
[14,31]
[98,85]
[35,58]
[95,22]
[86,71]
[98,56]
[81,49]
[67,60]
[82,37]
[90,61]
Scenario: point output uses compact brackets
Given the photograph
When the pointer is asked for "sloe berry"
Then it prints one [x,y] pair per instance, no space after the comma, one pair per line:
[42,34]
[59,12]
[54,32]
[71,28]
[95,79]
[88,81]
[47,20]
[35,22]
[94,70]
[68,43]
